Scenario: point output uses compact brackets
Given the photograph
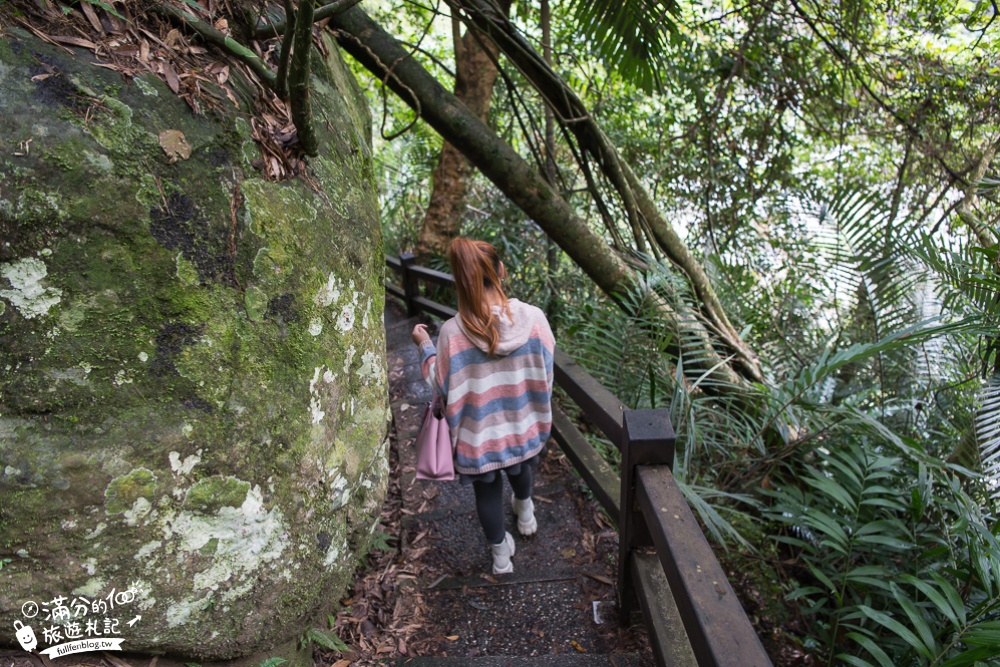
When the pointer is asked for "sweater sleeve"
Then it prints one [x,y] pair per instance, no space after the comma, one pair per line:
[433,367]
[549,343]
[428,362]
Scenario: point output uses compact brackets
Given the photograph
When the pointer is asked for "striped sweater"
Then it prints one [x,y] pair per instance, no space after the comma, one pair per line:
[498,408]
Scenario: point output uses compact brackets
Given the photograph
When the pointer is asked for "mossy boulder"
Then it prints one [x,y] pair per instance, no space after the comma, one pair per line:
[193,400]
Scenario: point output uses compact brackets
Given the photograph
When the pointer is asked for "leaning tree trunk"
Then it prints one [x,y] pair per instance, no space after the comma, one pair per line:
[475,76]
[643,214]
[382,55]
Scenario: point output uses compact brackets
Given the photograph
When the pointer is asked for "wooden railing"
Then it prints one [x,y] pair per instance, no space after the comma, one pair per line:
[690,610]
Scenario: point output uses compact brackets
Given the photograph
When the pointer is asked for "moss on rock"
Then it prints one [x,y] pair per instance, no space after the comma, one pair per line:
[193,396]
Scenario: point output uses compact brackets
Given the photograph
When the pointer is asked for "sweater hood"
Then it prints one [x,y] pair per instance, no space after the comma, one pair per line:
[514,331]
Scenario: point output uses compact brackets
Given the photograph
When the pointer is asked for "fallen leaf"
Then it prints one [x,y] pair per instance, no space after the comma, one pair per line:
[577,646]
[341,663]
[600,578]
[452,638]
[171,76]
[74,41]
[175,145]
[174,38]
[40,77]
[568,552]
[88,11]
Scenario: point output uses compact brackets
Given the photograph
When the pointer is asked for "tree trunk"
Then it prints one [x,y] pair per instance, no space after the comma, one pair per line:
[475,76]
[382,55]
[637,202]
[552,250]
[965,207]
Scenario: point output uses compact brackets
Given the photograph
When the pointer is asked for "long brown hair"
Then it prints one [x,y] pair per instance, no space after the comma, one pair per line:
[476,267]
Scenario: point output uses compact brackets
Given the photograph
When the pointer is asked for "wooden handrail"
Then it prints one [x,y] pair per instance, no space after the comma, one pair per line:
[690,609]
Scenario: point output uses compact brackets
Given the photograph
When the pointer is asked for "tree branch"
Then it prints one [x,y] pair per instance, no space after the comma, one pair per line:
[286,50]
[572,113]
[385,58]
[298,78]
[278,28]
[853,67]
[977,227]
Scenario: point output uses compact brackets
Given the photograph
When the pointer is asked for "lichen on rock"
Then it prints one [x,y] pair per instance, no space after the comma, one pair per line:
[193,396]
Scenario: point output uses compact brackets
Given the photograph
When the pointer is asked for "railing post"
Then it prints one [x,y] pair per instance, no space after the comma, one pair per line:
[410,287]
[647,439]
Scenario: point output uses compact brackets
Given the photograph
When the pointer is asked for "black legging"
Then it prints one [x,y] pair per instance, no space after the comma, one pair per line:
[489,500]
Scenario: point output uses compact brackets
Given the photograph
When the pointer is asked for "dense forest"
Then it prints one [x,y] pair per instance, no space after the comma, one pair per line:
[795,208]
[779,220]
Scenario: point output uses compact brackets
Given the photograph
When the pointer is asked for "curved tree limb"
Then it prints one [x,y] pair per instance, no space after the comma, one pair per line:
[382,55]
[639,205]
[278,28]
[977,227]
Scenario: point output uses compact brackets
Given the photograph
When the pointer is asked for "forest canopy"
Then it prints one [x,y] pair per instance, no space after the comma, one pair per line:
[778,220]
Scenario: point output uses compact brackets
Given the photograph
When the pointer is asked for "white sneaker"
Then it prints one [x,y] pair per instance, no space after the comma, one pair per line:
[525,511]
[501,555]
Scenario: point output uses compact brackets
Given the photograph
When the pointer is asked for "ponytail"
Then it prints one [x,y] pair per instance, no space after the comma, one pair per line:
[476,268]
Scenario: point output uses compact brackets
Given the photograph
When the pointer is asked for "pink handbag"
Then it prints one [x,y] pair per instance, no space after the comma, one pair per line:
[434,456]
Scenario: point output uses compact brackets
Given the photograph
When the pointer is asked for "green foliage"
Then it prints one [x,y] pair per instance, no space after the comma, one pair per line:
[630,37]
[809,153]
[326,639]
[382,541]
[108,8]
[273,661]
[879,540]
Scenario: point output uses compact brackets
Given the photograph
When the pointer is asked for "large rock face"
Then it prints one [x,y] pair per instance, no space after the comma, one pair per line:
[192,384]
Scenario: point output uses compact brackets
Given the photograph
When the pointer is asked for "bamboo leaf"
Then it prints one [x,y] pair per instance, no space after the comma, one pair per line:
[971,657]
[917,620]
[870,646]
[897,628]
[831,488]
[941,603]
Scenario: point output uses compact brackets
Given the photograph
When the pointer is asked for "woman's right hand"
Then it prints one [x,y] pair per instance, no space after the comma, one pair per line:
[420,334]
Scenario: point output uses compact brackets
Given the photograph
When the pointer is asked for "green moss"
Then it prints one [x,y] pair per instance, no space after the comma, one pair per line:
[255,301]
[186,271]
[180,330]
[122,492]
[116,132]
[209,495]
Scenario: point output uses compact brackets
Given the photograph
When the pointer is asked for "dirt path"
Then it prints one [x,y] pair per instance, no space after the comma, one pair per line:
[444,600]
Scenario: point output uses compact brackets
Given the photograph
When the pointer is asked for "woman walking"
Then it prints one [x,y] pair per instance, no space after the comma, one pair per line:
[493,369]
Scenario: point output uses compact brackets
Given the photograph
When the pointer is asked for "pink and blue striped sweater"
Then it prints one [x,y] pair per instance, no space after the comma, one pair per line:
[498,408]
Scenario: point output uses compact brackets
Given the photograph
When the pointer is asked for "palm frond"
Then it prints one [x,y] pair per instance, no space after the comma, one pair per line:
[630,36]
[988,434]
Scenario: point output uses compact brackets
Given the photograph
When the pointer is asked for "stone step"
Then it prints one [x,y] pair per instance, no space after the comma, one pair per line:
[565,660]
